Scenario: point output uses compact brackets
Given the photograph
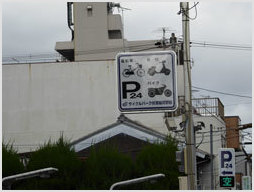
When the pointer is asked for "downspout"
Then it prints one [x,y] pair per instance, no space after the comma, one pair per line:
[69,19]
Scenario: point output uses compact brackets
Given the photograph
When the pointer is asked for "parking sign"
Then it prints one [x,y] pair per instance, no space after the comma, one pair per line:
[147,81]
[226,167]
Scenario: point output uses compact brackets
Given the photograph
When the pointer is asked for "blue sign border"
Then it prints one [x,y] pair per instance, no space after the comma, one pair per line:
[148,109]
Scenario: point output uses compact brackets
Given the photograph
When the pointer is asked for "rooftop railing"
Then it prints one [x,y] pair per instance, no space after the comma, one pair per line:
[33,58]
[208,107]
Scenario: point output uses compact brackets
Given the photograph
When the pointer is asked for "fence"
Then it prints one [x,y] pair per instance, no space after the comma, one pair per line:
[33,58]
[208,106]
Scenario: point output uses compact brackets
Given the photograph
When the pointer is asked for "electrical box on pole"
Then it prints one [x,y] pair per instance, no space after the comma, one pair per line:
[181,158]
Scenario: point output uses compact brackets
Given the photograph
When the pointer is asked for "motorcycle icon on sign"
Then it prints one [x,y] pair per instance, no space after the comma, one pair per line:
[159,91]
[152,70]
[130,71]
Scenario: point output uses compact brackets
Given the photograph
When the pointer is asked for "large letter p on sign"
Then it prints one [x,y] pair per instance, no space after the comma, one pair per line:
[226,156]
[130,86]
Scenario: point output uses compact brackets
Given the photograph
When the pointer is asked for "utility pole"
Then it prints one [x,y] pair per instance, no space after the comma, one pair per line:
[211,152]
[189,130]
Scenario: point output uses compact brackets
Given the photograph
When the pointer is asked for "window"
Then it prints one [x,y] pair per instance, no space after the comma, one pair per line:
[89,10]
[114,34]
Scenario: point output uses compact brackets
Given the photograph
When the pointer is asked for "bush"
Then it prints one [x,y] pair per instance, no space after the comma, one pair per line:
[57,155]
[11,163]
[158,158]
[105,166]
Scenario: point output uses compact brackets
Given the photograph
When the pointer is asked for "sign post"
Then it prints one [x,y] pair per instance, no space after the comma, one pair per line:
[147,81]
[227,167]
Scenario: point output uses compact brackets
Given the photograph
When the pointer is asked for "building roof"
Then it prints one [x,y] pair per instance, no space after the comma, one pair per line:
[123,125]
[128,127]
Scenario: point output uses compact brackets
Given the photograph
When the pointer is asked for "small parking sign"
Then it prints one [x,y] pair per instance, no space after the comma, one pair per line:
[147,81]
[227,167]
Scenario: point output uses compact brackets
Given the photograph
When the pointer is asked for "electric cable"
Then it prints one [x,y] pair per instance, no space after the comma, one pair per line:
[46,57]
[195,4]
[111,49]
[238,104]
[222,45]
[200,141]
[223,93]
[237,49]
[220,139]
[184,11]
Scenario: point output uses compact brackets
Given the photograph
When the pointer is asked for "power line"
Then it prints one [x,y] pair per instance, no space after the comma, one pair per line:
[222,45]
[231,94]
[113,49]
[238,104]
[195,4]
[52,56]
[219,45]
[220,139]
[184,11]
[238,49]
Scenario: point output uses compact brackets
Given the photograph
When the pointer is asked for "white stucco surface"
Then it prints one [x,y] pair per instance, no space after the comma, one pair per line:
[44,100]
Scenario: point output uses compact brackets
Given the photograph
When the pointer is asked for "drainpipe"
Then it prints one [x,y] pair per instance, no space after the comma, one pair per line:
[69,19]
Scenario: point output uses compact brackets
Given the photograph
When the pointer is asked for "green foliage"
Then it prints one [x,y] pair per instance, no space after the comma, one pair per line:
[11,164]
[158,158]
[105,166]
[57,155]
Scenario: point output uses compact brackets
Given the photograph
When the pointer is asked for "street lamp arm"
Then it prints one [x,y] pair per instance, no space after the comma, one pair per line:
[44,173]
[137,180]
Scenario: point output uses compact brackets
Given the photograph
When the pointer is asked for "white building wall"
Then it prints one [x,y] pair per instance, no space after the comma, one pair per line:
[218,130]
[204,145]
[43,101]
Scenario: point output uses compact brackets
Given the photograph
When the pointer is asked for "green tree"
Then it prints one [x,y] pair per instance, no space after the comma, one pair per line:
[58,155]
[158,158]
[11,163]
[105,166]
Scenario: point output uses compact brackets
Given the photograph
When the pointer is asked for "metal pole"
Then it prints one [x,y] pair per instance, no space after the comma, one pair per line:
[190,143]
[43,173]
[137,180]
[123,32]
[211,153]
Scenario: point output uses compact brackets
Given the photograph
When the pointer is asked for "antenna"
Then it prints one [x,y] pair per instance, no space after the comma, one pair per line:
[111,6]
[164,40]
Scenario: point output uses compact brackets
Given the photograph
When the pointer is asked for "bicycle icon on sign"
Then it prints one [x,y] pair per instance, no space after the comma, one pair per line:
[132,71]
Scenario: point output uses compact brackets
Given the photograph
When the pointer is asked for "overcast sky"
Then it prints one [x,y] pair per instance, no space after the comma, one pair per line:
[30,27]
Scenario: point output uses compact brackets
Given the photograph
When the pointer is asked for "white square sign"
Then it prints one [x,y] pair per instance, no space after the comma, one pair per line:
[147,81]
[226,161]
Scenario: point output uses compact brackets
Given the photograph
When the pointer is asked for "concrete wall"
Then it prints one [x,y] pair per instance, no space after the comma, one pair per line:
[218,130]
[42,101]
[91,39]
